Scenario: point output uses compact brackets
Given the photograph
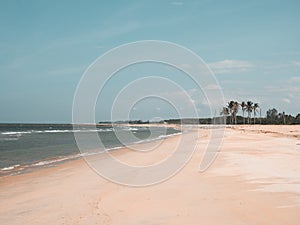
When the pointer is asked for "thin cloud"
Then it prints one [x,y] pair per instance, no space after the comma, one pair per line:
[286,100]
[212,87]
[230,66]
[296,63]
[294,80]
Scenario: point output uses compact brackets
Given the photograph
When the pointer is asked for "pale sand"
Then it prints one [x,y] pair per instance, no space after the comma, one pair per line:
[254,180]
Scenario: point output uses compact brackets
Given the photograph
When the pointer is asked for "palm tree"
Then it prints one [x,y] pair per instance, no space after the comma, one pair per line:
[225,112]
[244,107]
[235,110]
[259,115]
[231,110]
[249,110]
[255,108]
[282,116]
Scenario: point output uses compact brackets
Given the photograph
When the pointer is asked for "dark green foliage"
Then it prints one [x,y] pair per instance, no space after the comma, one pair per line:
[228,115]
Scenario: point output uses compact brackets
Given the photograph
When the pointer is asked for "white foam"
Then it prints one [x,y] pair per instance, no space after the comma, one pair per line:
[115,148]
[70,131]
[157,138]
[54,131]
[16,132]
[10,167]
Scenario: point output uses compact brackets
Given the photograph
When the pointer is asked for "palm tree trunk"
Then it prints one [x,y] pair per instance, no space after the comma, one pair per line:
[259,115]
[249,117]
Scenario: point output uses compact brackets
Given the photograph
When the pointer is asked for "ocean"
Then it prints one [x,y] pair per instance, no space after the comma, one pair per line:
[25,147]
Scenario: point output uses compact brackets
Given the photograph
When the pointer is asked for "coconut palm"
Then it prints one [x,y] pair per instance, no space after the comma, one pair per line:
[259,115]
[282,116]
[244,107]
[225,112]
[255,108]
[249,110]
[235,110]
[230,107]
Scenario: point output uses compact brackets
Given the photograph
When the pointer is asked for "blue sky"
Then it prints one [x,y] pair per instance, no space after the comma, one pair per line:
[45,46]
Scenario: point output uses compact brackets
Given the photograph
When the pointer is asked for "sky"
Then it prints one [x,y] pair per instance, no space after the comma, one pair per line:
[252,47]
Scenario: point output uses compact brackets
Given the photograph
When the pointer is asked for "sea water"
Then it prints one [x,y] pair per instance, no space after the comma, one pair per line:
[24,147]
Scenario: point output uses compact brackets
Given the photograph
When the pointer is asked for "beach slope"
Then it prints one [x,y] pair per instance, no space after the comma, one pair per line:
[254,180]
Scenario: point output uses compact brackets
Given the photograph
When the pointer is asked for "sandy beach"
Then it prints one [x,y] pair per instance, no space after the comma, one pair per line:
[255,179]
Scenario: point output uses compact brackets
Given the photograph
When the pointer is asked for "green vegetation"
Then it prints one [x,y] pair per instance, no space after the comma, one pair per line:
[229,115]
[126,122]
[251,114]
[253,109]
[232,109]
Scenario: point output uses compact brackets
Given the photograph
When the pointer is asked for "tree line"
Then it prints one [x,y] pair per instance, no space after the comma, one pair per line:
[275,117]
[232,108]
[253,111]
[251,114]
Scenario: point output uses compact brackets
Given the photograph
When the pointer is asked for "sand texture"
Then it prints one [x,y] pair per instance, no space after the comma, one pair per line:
[255,179]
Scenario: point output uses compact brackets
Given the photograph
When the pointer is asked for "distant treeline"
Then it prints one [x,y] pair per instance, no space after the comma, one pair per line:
[289,120]
[272,117]
[127,122]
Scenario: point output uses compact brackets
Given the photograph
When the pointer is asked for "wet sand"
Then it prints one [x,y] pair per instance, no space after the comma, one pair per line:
[255,179]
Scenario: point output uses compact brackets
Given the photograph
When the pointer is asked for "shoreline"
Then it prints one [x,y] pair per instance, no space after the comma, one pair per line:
[255,171]
[57,161]
[19,168]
